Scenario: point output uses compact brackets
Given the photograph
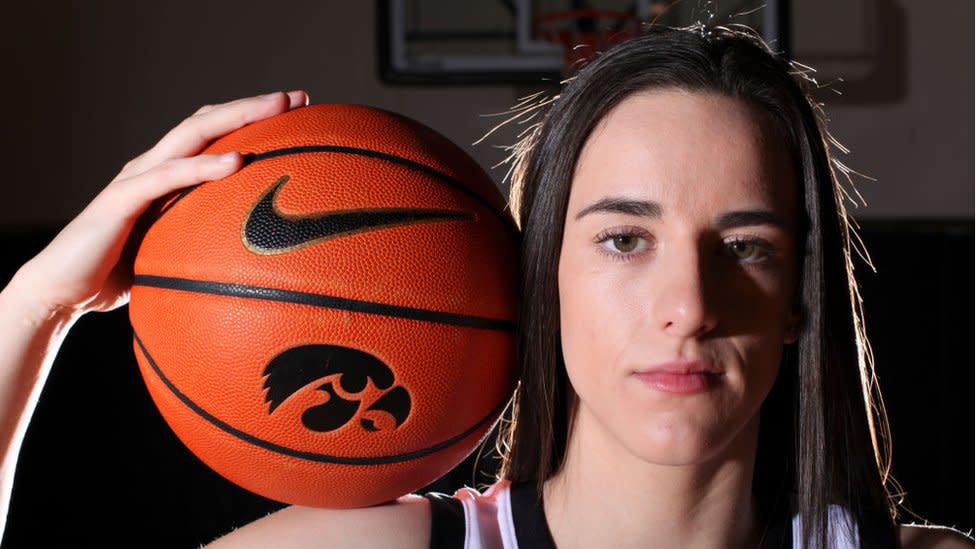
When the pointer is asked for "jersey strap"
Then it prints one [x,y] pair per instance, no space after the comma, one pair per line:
[530,518]
[446,522]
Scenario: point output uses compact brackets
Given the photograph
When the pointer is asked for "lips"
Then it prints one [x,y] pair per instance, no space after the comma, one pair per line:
[682,377]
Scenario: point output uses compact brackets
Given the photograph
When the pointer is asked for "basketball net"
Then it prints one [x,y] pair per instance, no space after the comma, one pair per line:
[583,33]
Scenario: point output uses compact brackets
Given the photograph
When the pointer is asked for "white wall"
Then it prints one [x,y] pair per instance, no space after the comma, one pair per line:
[89,85]
[906,103]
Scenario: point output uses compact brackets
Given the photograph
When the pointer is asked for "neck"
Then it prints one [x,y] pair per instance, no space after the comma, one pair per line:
[704,505]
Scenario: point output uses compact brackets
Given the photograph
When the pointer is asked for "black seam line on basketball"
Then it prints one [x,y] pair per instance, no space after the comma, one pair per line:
[310,456]
[250,158]
[320,300]
[176,199]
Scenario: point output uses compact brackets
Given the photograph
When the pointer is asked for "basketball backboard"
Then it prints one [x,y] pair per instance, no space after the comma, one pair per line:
[522,41]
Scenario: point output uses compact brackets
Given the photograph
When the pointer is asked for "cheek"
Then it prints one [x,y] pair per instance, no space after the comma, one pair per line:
[574,297]
[758,332]
[754,318]
[756,304]
[600,321]
[589,317]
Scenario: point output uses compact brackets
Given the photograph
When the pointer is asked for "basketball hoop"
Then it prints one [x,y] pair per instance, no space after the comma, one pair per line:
[584,32]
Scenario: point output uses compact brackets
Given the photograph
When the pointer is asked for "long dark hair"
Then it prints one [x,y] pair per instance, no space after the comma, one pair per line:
[822,428]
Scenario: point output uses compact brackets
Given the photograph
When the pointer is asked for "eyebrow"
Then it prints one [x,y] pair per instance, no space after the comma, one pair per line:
[646,208]
[748,218]
[642,208]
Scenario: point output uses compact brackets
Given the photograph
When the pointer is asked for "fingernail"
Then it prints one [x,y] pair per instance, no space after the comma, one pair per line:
[300,94]
[228,158]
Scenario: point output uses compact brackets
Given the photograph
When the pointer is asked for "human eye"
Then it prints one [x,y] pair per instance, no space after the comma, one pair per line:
[748,249]
[622,243]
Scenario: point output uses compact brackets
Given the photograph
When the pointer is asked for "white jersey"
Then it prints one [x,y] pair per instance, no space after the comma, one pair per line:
[475,520]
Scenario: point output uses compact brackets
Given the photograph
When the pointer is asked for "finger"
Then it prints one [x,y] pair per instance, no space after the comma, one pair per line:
[211,122]
[296,98]
[128,198]
[194,133]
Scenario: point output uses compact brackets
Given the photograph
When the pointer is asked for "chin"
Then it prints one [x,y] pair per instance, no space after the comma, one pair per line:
[683,444]
[673,447]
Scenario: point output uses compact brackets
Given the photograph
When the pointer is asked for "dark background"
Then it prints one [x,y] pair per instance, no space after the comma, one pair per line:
[91,84]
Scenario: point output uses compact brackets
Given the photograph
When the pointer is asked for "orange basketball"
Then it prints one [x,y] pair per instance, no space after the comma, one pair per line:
[333,325]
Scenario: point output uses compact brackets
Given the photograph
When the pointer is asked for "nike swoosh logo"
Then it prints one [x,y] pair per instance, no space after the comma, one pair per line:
[268,231]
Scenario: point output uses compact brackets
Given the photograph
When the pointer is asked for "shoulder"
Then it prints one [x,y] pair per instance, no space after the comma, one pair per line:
[403,523]
[921,536]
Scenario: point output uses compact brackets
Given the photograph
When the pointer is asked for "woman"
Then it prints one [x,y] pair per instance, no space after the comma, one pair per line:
[692,358]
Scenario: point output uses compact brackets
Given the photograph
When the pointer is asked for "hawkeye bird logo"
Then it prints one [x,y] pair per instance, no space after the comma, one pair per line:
[295,368]
[269,231]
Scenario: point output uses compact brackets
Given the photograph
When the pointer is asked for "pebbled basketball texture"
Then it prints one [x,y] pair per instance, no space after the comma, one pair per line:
[332,325]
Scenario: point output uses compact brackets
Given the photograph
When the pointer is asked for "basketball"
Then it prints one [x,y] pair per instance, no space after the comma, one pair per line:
[332,325]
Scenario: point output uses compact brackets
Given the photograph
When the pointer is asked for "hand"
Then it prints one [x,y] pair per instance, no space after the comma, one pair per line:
[88,265]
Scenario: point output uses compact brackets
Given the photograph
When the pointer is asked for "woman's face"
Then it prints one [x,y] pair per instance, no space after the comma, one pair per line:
[677,275]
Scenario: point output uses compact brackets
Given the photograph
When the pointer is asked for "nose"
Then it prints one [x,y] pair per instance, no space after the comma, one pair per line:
[682,305]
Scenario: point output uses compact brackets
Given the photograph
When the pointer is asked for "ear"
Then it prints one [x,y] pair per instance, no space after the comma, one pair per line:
[793,323]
